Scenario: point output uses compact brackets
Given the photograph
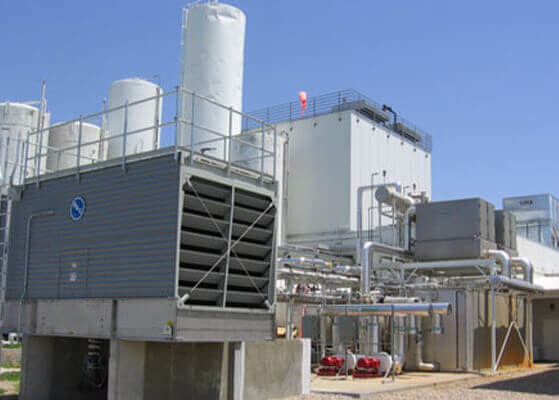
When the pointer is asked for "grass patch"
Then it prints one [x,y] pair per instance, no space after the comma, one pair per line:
[11,364]
[12,346]
[10,376]
[2,391]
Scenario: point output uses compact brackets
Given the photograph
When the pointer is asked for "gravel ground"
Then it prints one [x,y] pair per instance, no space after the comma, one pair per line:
[539,385]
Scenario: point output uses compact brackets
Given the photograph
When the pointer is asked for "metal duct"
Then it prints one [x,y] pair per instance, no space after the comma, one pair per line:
[399,310]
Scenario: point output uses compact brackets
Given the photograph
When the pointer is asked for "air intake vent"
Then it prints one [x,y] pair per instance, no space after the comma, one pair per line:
[226,245]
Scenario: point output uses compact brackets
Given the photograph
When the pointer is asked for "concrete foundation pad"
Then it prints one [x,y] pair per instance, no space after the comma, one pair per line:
[367,388]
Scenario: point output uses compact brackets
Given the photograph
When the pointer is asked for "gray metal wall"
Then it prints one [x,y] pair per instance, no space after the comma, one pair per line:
[123,246]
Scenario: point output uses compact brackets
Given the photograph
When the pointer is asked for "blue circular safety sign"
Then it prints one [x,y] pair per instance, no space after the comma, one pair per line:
[77,208]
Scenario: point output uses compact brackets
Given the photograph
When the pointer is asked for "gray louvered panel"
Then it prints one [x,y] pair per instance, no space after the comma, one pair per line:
[208,259]
[249,216]
[208,189]
[213,278]
[217,243]
[233,296]
[205,224]
[214,243]
[205,206]
[251,200]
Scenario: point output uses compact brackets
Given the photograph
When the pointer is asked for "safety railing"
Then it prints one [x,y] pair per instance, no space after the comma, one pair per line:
[335,102]
[179,120]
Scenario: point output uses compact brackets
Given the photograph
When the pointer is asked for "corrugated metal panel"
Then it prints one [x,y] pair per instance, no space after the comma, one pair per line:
[124,246]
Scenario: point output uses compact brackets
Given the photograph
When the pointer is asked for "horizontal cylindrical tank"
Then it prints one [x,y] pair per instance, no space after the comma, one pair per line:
[64,136]
[213,57]
[388,195]
[141,119]
[17,120]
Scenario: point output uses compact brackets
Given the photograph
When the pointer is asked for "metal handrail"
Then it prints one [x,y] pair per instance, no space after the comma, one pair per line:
[35,152]
[329,103]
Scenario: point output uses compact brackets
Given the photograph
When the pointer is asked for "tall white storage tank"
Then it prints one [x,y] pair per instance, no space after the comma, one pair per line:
[140,117]
[65,135]
[17,120]
[213,57]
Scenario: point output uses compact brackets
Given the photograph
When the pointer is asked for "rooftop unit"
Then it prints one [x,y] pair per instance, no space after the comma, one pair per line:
[537,217]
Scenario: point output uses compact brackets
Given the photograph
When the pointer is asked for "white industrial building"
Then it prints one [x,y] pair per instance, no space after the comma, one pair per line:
[343,142]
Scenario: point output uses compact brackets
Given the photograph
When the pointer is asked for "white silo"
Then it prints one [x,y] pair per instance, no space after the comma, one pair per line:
[213,57]
[17,120]
[141,118]
[63,136]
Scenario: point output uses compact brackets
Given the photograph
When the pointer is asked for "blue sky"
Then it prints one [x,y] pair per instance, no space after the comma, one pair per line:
[481,76]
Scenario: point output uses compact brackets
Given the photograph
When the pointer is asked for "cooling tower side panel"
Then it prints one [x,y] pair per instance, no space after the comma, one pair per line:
[124,244]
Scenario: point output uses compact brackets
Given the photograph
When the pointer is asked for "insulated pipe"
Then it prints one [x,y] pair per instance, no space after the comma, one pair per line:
[395,300]
[375,345]
[368,248]
[516,284]
[360,191]
[399,352]
[400,310]
[502,258]
[420,364]
[38,214]
[526,266]
[303,260]
[407,227]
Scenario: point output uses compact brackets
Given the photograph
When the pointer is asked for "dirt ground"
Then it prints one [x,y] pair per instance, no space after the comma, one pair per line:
[536,384]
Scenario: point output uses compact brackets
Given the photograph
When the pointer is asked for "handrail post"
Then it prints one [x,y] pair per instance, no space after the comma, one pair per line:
[78,152]
[25,161]
[38,157]
[262,155]
[6,154]
[124,137]
[156,119]
[230,141]
[192,130]
[178,120]
[275,152]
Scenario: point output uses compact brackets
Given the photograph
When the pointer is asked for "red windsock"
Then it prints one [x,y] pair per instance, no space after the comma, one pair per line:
[303,100]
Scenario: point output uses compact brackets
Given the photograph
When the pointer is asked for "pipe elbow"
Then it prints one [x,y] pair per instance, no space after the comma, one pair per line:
[526,266]
[502,258]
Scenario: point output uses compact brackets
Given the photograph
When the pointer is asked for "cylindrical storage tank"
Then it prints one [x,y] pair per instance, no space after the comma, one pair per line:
[141,119]
[64,136]
[213,57]
[17,120]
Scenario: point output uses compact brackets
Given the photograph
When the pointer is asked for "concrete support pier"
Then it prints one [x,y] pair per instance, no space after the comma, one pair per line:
[53,367]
